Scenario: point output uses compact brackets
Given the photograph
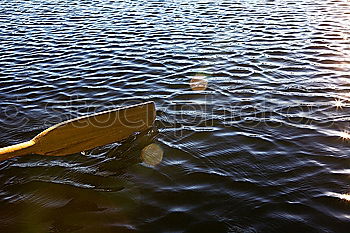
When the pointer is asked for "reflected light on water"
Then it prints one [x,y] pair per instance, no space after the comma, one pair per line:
[152,154]
[344,135]
[345,196]
[199,83]
[347,94]
[344,35]
[339,104]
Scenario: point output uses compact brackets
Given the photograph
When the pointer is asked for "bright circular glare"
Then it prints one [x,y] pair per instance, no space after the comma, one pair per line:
[152,154]
[198,83]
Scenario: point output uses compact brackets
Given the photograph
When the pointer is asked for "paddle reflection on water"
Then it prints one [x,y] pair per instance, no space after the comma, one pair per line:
[124,154]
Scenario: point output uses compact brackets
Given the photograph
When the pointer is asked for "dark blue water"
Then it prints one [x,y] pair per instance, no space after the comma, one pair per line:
[260,146]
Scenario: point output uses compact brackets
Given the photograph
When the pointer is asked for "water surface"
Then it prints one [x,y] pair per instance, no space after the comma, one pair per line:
[261,147]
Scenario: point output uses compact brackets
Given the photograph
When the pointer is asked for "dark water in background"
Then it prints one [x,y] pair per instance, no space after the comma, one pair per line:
[260,150]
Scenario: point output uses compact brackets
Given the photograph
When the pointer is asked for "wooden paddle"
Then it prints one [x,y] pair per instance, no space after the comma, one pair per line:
[86,132]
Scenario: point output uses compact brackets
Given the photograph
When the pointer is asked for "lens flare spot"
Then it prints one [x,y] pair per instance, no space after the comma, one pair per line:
[199,83]
[152,154]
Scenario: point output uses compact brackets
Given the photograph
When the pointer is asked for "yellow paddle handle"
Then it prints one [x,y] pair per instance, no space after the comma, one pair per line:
[17,150]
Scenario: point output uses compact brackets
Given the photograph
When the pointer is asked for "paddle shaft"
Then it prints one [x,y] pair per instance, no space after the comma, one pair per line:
[17,150]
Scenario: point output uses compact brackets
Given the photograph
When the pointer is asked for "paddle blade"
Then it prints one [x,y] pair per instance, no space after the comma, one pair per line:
[99,129]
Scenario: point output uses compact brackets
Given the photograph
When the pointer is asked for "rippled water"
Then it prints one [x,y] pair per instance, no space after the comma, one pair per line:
[261,147]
